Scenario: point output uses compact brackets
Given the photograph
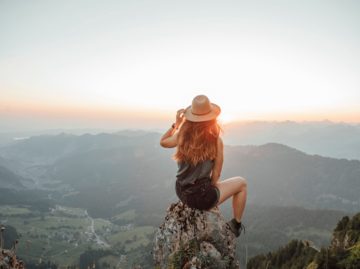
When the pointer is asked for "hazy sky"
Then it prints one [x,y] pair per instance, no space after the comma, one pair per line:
[114,64]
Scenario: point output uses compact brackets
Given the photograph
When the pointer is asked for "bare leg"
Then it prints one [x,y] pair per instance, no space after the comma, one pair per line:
[237,188]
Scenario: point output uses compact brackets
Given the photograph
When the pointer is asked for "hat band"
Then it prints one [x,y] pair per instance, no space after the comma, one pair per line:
[201,114]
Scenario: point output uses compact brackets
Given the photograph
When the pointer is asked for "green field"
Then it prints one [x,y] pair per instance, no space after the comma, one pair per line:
[111,259]
[34,251]
[41,226]
[140,232]
[73,252]
[98,224]
[57,252]
[74,211]
[14,211]
[128,215]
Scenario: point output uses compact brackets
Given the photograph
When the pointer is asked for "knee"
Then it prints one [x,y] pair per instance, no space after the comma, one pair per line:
[242,183]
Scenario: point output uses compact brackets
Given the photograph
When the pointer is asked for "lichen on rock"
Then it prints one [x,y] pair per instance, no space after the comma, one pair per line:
[193,238]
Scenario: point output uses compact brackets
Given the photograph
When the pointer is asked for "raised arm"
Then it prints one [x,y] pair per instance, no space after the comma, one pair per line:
[218,163]
[169,139]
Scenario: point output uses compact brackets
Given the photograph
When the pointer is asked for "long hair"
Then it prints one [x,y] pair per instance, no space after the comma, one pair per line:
[197,141]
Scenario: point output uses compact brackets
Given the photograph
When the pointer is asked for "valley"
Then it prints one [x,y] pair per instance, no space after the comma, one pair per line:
[63,234]
[105,195]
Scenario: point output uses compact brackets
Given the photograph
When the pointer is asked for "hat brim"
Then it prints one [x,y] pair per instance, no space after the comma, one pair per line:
[215,111]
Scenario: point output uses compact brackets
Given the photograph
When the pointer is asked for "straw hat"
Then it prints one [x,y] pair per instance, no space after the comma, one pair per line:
[201,110]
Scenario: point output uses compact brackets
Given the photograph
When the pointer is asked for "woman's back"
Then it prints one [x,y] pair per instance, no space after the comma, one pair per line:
[188,174]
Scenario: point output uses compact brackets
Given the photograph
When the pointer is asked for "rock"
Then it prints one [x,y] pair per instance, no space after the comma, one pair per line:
[342,241]
[138,267]
[213,256]
[9,260]
[195,239]
[195,263]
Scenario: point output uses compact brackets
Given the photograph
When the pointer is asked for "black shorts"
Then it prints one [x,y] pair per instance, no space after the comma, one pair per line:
[200,195]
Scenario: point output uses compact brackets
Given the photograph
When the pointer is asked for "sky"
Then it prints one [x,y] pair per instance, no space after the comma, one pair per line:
[133,64]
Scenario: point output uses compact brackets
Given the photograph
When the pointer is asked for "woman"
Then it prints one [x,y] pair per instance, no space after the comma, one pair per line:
[200,159]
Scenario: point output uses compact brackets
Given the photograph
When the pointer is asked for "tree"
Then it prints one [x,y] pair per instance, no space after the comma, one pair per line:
[9,235]
[355,258]
[342,224]
[279,259]
[320,257]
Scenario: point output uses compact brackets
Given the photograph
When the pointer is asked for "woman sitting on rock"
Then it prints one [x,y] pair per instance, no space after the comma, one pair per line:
[200,159]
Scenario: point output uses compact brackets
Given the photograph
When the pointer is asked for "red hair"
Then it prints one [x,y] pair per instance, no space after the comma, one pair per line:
[197,141]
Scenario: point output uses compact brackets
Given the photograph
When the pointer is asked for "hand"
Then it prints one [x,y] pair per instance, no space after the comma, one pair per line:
[179,117]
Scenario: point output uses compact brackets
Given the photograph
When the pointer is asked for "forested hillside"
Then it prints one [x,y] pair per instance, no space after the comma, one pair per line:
[37,199]
[296,254]
[9,179]
[343,253]
[268,227]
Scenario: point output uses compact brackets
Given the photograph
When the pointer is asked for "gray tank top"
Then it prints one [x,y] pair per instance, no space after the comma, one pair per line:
[187,174]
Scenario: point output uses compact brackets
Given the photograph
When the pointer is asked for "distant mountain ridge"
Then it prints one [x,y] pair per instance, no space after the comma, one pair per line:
[8,138]
[285,176]
[132,133]
[46,149]
[337,140]
[325,138]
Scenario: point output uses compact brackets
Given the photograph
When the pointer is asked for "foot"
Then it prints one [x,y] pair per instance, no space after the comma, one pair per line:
[236,227]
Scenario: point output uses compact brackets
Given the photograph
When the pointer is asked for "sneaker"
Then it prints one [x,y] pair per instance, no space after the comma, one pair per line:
[236,227]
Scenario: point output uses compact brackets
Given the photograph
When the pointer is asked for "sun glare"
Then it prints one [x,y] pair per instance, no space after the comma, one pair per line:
[225,117]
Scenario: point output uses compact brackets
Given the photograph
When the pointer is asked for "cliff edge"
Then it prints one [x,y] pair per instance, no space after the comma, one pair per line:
[193,239]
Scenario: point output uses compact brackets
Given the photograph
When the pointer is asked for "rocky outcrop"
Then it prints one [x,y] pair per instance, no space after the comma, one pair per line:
[9,260]
[192,238]
[342,241]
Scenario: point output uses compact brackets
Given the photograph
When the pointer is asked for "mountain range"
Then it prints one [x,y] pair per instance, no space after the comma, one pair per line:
[326,138]
[276,174]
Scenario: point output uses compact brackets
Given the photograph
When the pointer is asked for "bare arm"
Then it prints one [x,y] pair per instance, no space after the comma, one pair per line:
[169,139]
[218,163]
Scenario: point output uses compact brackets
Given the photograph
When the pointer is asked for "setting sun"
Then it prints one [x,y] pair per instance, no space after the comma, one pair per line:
[225,117]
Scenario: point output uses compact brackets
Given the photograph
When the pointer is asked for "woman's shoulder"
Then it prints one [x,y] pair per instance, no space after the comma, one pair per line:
[220,141]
